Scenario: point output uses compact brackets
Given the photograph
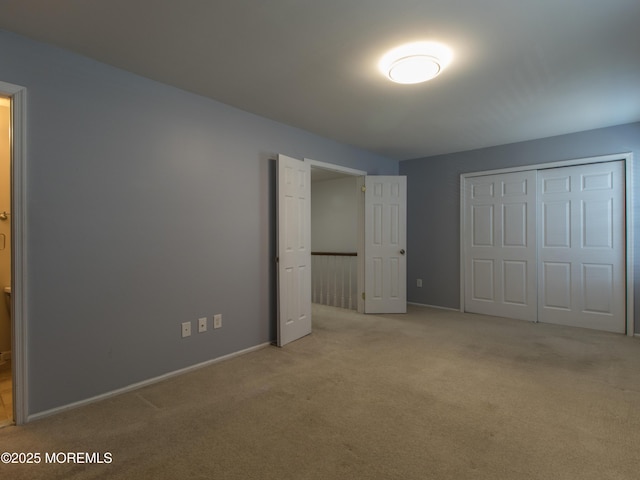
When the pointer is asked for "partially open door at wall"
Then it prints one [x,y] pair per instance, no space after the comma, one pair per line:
[385,233]
[294,249]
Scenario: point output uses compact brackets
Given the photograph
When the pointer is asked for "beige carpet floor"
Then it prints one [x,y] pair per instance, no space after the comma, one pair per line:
[432,394]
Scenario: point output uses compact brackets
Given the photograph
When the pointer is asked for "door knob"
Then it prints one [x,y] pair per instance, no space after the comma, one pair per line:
[402,252]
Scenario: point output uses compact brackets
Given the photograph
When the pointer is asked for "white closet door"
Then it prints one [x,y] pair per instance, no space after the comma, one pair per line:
[500,245]
[581,279]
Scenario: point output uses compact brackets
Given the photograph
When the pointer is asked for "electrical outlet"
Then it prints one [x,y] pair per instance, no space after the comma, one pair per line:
[202,324]
[217,320]
[419,283]
[186,329]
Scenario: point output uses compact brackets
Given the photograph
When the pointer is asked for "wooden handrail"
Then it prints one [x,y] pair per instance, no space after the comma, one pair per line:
[335,254]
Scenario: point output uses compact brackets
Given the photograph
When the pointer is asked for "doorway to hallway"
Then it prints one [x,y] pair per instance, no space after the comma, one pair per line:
[381,244]
[334,239]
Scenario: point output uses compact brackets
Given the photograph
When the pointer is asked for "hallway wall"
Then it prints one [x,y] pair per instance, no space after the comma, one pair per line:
[334,215]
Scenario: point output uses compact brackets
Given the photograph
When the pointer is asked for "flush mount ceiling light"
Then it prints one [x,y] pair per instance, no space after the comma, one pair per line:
[415,62]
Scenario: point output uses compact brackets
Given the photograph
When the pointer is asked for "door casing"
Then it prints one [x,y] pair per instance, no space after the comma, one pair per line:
[18,95]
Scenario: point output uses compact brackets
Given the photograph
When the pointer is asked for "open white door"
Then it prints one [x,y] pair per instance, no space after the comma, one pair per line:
[385,233]
[294,249]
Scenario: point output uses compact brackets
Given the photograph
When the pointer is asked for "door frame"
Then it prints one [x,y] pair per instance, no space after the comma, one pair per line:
[360,243]
[627,158]
[19,362]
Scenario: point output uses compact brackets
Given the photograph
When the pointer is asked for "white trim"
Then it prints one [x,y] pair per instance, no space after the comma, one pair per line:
[144,383]
[558,164]
[629,203]
[461,240]
[360,181]
[433,306]
[18,95]
[627,157]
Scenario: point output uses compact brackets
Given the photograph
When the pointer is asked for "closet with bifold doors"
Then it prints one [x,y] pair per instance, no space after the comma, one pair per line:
[546,244]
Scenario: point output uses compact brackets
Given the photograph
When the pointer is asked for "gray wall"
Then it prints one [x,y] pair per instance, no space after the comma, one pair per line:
[147,206]
[434,203]
[334,215]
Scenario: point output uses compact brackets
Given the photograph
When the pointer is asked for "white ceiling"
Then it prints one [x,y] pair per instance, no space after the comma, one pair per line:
[522,69]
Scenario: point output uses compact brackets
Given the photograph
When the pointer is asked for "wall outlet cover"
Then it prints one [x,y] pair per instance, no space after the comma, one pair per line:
[186,329]
[217,320]
[202,324]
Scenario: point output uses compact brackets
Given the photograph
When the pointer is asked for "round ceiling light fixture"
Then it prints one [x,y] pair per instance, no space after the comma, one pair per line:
[415,62]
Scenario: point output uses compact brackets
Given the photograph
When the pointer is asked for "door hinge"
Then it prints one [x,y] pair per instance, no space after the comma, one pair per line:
[363,188]
[363,295]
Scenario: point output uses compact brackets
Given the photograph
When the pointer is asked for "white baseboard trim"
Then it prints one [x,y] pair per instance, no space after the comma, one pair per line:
[144,383]
[434,306]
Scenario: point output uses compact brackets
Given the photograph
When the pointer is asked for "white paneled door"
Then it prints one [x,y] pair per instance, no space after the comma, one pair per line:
[385,233]
[500,245]
[548,245]
[581,280]
[294,249]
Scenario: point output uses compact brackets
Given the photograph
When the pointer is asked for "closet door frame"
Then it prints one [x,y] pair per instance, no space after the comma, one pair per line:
[627,158]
